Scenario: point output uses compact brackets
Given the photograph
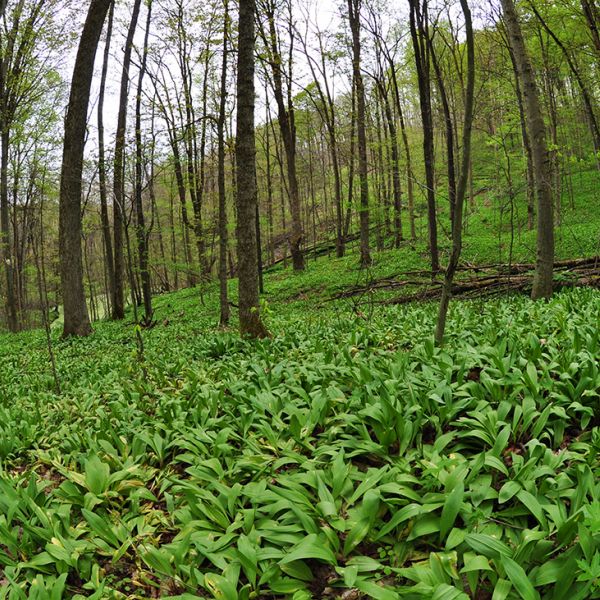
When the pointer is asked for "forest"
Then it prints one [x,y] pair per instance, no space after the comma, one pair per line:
[300,299]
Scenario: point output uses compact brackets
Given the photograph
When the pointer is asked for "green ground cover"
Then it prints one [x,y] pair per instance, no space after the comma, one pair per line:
[346,457]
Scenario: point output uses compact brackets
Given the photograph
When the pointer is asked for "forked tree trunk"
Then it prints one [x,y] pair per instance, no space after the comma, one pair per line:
[419,33]
[462,180]
[76,318]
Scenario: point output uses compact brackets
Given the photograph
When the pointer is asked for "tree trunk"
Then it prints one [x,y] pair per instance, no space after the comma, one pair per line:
[141,232]
[463,178]
[119,171]
[450,155]
[7,254]
[249,307]
[592,17]
[76,318]
[354,7]
[223,234]
[419,34]
[391,124]
[106,235]
[542,283]
[287,126]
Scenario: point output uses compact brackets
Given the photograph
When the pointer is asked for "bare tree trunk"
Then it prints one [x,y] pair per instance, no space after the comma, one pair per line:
[141,231]
[419,34]
[7,254]
[407,153]
[463,178]
[76,318]
[391,124]
[108,249]
[451,160]
[249,306]
[542,284]
[223,234]
[354,7]
[40,267]
[119,171]
[287,126]
[351,166]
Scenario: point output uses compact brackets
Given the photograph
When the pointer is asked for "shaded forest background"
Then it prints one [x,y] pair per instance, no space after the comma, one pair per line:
[157,161]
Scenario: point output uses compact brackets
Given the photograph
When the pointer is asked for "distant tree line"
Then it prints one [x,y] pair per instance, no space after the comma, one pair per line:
[249,134]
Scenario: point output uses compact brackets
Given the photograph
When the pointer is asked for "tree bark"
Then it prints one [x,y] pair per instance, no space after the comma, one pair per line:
[119,172]
[463,178]
[106,234]
[76,318]
[141,232]
[542,283]
[354,7]
[592,17]
[287,126]
[249,308]
[223,234]
[419,34]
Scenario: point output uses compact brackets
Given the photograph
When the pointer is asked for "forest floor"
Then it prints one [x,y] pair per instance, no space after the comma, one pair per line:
[345,457]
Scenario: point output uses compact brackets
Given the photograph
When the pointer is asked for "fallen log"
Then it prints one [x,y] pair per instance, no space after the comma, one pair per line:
[494,280]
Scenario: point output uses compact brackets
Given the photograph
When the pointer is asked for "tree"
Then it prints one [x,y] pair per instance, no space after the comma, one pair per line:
[119,171]
[287,121]
[246,200]
[106,234]
[420,35]
[18,83]
[459,198]
[354,7]
[223,235]
[141,230]
[76,318]
[542,284]
[325,106]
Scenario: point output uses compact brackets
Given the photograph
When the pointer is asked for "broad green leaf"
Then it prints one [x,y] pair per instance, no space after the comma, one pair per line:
[508,490]
[97,475]
[451,509]
[312,546]
[487,545]
[519,579]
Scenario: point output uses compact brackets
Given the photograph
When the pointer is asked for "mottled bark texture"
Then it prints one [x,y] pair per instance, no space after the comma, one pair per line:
[250,321]
[542,169]
[76,318]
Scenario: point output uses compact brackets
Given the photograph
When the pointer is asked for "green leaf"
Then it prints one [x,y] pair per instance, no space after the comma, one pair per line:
[356,535]
[519,579]
[97,475]
[533,505]
[501,589]
[448,592]
[487,545]
[451,509]
[475,562]
[220,587]
[508,490]
[377,592]
[312,546]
